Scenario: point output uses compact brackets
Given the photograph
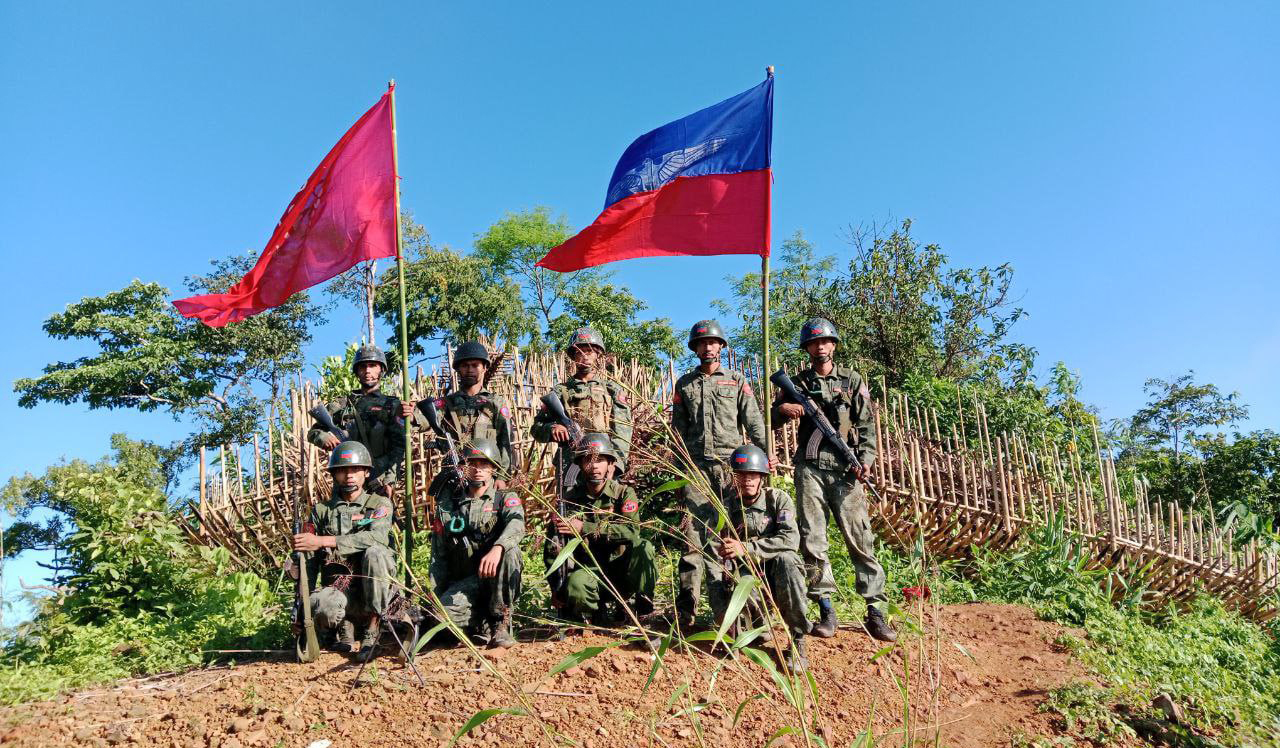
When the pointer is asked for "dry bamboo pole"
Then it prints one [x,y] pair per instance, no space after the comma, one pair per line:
[204,501]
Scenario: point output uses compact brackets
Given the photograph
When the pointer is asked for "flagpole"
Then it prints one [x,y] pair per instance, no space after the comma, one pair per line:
[764,309]
[404,346]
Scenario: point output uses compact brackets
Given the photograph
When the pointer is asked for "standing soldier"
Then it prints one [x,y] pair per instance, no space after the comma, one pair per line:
[763,522]
[826,486]
[605,514]
[475,549]
[471,412]
[356,563]
[709,410]
[594,403]
[368,417]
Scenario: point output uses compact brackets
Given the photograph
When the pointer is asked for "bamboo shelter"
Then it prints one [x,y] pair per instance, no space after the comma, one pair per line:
[952,488]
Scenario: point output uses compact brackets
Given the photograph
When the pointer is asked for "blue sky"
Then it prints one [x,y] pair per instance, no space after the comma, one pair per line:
[1123,157]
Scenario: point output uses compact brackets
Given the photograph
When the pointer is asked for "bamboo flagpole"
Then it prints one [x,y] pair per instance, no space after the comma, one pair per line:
[765,362]
[404,343]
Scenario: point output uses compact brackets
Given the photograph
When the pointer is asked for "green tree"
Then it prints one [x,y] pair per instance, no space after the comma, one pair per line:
[152,359]
[901,309]
[1244,470]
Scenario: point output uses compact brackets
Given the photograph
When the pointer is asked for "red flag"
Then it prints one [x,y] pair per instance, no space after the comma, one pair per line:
[343,215]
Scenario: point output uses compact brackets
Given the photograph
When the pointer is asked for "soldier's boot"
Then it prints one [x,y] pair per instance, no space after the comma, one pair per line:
[766,636]
[643,606]
[686,609]
[797,658]
[372,633]
[345,643]
[502,638]
[877,626]
[825,628]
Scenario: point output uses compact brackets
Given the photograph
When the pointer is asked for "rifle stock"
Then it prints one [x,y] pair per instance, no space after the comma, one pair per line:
[307,650]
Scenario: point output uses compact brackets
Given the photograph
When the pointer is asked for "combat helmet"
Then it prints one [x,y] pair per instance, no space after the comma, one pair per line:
[816,328]
[585,336]
[471,350]
[707,328]
[481,449]
[350,454]
[596,443]
[369,352]
[749,459]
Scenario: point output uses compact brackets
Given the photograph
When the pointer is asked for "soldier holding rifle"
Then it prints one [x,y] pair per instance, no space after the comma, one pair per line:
[366,416]
[829,472]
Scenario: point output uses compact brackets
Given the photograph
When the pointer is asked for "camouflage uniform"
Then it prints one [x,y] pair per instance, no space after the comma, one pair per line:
[595,405]
[768,529]
[479,416]
[612,535]
[362,526]
[463,530]
[709,412]
[824,487]
[374,421]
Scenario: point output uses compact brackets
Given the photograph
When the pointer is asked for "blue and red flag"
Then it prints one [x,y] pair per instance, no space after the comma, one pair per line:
[697,186]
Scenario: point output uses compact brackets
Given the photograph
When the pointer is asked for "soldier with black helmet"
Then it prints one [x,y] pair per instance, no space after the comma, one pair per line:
[371,418]
[605,514]
[826,485]
[710,409]
[475,549]
[355,564]
[595,402]
[471,412]
[761,530]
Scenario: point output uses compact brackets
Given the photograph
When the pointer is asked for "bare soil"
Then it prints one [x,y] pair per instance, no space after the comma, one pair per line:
[977,677]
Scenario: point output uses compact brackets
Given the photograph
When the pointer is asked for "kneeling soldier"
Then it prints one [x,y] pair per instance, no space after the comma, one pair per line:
[764,531]
[605,514]
[356,566]
[475,549]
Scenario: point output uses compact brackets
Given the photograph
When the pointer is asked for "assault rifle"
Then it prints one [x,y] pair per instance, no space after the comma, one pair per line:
[453,460]
[325,419]
[551,401]
[811,409]
[305,644]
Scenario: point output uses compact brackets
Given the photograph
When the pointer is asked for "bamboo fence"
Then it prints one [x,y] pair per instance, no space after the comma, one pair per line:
[951,487]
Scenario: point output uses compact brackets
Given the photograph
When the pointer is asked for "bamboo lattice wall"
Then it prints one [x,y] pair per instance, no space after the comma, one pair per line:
[953,488]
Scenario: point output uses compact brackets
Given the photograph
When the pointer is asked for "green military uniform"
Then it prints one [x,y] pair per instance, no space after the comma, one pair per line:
[768,529]
[611,536]
[478,416]
[595,405]
[824,487]
[463,530]
[374,421]
[362,526]
[709,412]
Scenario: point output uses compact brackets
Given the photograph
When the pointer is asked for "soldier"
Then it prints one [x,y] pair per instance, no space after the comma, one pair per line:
[763,522]
[356,563]
[826,486]
[594,403]
[471,412]
[475,549]
[710,408]
[605,514]
[371,418]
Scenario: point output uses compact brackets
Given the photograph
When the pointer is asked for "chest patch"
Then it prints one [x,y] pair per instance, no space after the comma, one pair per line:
[357,517]
[380,512]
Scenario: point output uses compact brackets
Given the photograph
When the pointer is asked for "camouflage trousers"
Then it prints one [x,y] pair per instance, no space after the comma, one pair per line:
[784,575]
[700,519]
[823,494]
[368,592]
[634,571]
[471,602]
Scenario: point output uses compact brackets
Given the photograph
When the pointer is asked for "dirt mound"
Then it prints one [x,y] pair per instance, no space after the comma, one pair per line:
[977,675]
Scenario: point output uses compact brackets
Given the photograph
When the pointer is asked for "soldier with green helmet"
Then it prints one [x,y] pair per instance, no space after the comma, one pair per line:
[355,564]
[710,409]
[471,411]
[593,401]
[371,418]
[826,486]
[475,549]
[605,514]
[761,536]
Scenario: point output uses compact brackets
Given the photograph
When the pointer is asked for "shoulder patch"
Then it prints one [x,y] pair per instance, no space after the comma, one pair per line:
[505,411]
[676,399]
[630,505]
[380,512]
[621,397]
[511,501]
[746,387]
[864,392]
[784,515]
